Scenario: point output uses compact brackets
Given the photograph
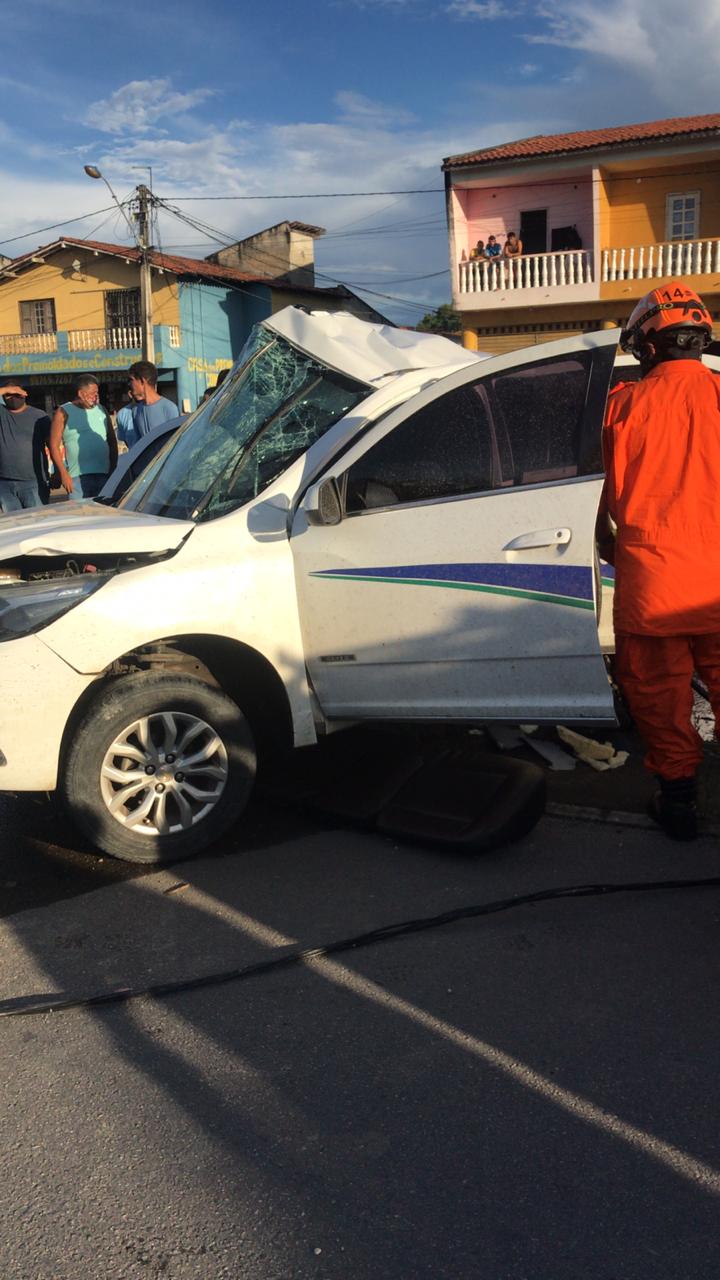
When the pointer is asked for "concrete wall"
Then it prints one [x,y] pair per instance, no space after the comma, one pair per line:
[79,295]
[277,252]
[323,302]
[636,203]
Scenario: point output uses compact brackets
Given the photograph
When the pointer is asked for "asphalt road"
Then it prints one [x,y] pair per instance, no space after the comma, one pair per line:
[526,1096]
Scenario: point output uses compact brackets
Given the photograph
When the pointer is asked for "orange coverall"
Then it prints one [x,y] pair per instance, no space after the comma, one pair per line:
[661,444]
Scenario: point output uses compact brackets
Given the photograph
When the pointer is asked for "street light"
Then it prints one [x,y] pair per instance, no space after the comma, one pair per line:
[92,171]
[141,243]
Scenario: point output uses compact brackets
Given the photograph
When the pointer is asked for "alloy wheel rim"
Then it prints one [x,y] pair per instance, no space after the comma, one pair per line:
[164,773]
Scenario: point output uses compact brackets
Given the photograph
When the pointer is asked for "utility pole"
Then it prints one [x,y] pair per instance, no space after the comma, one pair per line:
[142,240]
[143,225]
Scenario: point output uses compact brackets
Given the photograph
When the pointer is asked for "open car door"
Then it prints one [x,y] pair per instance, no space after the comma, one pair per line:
[460,580]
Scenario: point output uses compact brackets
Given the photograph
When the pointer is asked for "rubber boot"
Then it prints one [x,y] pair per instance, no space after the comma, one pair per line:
[674,807]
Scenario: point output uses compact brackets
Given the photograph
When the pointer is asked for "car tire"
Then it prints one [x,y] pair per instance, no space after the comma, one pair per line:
[158,767]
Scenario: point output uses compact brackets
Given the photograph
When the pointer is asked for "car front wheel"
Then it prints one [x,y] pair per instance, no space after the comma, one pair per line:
[158,768]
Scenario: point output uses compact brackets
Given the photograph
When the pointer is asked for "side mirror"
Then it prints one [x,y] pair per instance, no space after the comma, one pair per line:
[322,504]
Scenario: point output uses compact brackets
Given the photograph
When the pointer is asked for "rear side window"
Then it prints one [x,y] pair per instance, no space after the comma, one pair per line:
[538,413]
[443,450]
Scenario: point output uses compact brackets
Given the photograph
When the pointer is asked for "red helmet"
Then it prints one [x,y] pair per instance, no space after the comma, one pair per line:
[672,306]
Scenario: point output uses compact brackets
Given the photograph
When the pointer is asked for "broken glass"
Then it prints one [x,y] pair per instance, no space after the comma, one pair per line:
[277,404]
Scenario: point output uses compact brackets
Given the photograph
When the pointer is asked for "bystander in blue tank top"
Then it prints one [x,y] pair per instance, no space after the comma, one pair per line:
[85,441]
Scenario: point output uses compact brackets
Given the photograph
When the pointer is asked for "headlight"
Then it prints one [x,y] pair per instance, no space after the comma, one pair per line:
[29,608]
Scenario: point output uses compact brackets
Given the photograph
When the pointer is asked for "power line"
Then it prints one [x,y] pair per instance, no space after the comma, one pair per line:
[420,191]
[572,181]
[223,237]
[431,275]
[54,225]
[314,195]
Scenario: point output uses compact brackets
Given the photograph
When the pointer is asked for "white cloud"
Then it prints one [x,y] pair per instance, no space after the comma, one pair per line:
[139,105]
[479,10]
[365,145]
[362,110]
[670,52]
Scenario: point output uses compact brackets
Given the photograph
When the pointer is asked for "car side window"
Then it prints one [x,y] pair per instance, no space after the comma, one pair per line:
[521,426]
[624,373]
[443,450]
[538,412]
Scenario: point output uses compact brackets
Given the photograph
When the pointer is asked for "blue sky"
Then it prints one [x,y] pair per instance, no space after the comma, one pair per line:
[231,99]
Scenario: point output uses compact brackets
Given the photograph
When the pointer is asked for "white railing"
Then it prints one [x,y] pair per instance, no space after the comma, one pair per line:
[126,339]
[653,261]
[529,271]
[174,338]
[20,344]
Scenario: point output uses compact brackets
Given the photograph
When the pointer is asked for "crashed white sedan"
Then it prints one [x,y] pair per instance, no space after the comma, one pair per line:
[363,524]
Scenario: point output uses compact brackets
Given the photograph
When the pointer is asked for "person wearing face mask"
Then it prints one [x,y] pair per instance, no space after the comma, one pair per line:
[83,428]
[23,436]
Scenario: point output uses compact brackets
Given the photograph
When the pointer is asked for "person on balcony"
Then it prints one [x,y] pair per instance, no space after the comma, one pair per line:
[493,248]
[24,433]
[661,443]
[151,409]
[83,446]
[478,252]
[512,247]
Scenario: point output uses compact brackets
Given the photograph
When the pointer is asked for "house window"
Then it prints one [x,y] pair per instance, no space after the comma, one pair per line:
[122,308]
[682,215]
[38,316]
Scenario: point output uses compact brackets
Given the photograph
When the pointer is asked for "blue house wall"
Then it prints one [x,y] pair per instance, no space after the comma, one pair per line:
[214,322]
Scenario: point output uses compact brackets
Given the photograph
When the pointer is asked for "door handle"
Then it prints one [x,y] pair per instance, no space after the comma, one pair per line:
[540,538]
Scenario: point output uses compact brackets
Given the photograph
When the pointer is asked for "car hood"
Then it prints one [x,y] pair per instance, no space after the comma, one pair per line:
[83,528]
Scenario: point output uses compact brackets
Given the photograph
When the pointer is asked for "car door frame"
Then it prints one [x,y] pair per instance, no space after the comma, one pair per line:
[603,348]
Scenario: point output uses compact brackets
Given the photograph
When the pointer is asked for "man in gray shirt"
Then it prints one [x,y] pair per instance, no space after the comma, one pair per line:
[24,433]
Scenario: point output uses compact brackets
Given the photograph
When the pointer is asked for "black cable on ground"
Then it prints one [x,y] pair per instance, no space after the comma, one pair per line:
[24,1006]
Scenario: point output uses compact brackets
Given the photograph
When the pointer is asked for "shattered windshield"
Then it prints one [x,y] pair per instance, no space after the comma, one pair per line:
[274,406]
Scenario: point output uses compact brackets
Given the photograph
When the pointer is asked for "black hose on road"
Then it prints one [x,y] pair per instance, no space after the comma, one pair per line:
[25,1006]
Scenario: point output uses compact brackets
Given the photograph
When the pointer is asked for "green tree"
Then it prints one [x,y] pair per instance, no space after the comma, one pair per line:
[442,320]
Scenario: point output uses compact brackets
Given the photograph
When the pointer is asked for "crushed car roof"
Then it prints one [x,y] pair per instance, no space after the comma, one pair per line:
[368,352]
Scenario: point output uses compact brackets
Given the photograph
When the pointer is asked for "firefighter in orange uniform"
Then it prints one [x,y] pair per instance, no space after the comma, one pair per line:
[661,444]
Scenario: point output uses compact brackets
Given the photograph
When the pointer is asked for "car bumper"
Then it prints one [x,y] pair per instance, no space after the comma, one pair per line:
[37,694]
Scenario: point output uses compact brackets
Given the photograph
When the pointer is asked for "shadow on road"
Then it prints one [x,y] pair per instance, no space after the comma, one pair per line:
[44,858]
[521,1096]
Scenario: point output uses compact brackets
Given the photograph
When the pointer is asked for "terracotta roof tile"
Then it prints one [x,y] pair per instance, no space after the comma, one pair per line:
[555,144]
[169,262]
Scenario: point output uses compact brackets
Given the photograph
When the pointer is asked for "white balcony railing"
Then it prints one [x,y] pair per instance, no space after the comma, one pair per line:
[530,271]
[22,344]
[122,339]
[125,339]
[651,262]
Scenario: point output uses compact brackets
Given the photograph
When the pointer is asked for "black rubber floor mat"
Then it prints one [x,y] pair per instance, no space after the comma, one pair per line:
[415,788]
[349,775]
[467,798]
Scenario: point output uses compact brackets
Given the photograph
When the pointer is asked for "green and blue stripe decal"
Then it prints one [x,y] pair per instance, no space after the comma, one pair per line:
[569,585]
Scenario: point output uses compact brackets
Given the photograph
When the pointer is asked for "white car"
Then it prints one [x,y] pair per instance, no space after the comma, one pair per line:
[134,460]
[362,524]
